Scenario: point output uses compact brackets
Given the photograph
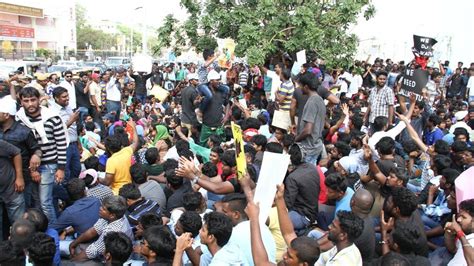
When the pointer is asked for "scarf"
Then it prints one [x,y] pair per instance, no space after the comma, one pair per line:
[38,127]
[161,133]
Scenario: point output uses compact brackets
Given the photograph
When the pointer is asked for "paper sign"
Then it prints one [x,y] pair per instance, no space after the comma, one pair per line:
[272,173]
[281,119]
[414,80]
[239,150]
[226,57]
[424,45]
[142,63]
[301,57]
[463,184]
[159,93]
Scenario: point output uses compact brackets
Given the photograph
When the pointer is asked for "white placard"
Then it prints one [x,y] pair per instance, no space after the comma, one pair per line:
[142,63]
[301,57]
[272,173]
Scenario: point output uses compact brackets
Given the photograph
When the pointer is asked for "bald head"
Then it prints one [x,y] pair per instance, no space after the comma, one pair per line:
[362,201]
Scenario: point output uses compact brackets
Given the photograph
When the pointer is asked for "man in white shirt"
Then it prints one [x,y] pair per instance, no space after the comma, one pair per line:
[344,229]
[113,92]
[69,85]
[459,236]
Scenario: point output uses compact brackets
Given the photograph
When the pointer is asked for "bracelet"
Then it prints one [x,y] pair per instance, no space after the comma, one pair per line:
[467,245]
[383,242]
[196,179]
[460,234]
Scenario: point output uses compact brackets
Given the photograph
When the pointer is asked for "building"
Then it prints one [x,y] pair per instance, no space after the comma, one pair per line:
[26,26]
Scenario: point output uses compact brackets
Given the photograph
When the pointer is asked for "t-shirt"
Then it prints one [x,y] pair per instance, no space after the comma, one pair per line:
[301,100]
[286,89]
[458,259]
[188,115]
[314,112]
[366,241]
[275,83]
[81,97]
[470,86]
[7,187]
[212,116]
[151,190]
[119,165]
[274,227]
[344,204]
[94,90]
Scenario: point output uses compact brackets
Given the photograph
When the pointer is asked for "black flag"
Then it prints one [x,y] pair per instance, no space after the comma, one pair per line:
[424,45]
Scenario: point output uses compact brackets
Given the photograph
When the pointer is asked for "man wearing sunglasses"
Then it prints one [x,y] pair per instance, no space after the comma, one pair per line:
[69,85]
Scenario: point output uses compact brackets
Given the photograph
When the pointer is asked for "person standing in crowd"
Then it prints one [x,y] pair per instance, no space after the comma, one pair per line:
[113,92]
[381,101]
[140,84]
[23,138]
[50,132]
[61,106]
[68,84]
[213,109]
[189,102]
[311,123]
[82,95]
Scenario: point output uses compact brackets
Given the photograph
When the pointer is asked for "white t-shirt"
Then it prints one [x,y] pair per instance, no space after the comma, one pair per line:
[356,83]
[276,82]
[113,93]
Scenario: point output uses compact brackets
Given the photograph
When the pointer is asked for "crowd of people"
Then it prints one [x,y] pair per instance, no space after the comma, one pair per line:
[98,169]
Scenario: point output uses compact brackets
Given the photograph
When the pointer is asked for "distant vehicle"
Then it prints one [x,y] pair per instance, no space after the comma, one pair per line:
[94,65]
[117,61]
[58,68]
[26,67]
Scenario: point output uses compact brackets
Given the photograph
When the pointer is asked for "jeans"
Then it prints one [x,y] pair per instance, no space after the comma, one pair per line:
[15,209]
[83,112]
[140,97]
[299,221]
[73,164]
[47,172]
[31,193]
[114,106]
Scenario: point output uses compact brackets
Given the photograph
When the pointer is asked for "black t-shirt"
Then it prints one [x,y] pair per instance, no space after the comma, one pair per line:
[157,78]
[188,96]
[7,188]
[366,241]
[301,100]
[212,116]
[82,99]
[140,83]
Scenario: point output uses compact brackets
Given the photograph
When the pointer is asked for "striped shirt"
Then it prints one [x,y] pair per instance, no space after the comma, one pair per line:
[286,89]
[54,151]
[141,207]
[243,78]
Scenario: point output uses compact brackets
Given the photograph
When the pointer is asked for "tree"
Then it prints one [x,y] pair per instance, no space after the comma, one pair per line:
[268,28]
[86,34]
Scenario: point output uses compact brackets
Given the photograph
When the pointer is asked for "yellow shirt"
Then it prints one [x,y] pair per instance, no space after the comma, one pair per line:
[274,227]
[119,166]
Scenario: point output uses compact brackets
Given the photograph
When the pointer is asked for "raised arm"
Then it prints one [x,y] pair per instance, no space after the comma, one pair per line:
[259,254]
[412,132]
[286,226]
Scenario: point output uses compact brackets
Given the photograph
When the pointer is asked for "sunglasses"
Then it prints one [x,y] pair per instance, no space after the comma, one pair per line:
[68,76]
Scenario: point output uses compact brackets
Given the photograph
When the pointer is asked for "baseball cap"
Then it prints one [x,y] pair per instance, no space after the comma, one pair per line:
[193,76]
[213,75]
[90,172]
[8,105]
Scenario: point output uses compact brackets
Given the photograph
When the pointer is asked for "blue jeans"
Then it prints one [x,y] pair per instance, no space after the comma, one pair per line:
[73,164]
[140,97]
[299,221]
[15,210]
[114,106]
[47,172]
[83,112]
